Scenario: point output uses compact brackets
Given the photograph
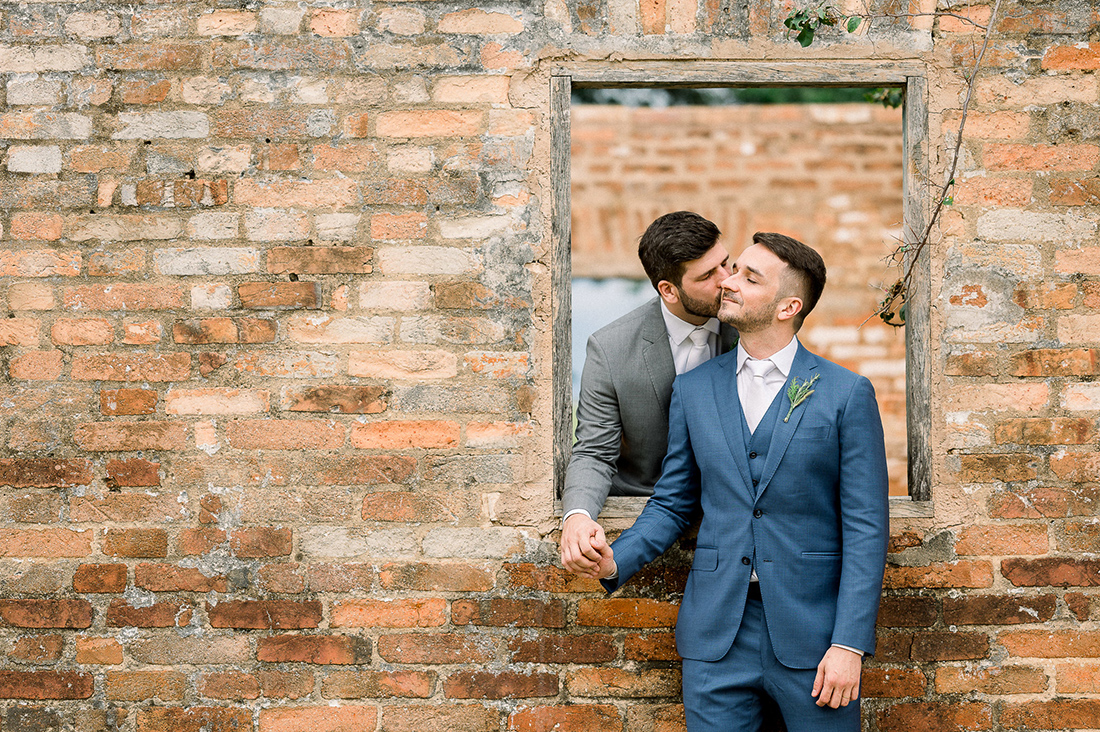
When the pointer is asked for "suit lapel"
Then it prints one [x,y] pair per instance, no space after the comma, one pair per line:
[728,402]
[657,355]
[727,338]
[803,369]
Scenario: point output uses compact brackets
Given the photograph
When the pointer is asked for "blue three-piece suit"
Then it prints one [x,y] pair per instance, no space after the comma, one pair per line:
[803,502]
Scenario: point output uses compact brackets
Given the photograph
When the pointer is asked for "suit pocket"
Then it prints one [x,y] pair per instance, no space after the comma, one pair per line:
[820,555]
[821,432]
[706,559]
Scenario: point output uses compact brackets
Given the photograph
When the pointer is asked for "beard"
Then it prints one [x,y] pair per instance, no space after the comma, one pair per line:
[697,307]
[747,320]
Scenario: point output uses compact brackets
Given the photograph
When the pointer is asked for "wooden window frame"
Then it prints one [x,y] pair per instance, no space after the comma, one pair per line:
[907,76]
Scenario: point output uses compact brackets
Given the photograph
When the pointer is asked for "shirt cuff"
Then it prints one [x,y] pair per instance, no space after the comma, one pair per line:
[614,573]
[576,510]
[849,648]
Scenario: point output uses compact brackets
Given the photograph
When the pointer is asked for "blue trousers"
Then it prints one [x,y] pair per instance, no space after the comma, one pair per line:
[728,695]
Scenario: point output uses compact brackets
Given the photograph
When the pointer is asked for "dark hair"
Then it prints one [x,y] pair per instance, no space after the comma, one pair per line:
[672,240]
[807,268]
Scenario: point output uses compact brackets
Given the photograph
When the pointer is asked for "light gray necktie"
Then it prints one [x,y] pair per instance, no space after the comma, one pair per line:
[757,398]
[700,348]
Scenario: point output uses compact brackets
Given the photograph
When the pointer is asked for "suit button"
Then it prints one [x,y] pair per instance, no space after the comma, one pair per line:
[757,513]
[746,561]
[752,455]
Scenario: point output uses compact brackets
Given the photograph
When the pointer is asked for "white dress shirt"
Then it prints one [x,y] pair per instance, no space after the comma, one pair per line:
[783,359]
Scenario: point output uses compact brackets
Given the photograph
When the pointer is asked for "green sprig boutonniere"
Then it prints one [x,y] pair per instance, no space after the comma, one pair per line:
[799,393]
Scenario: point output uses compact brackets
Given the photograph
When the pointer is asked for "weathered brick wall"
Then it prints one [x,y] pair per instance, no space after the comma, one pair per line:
[276,417]
[830,175]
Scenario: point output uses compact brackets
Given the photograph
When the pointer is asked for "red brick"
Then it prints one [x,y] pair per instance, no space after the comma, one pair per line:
[623,683]
[326,650]
[1051,643]
[34,225]
[999,156]
[280,295]
[937,716]
[320,260]
[259,123]
[100,578]
[457,717]
[1056,362]
[551,648]
[135,542]
[32,507]
[505,612]
[335,399]
[1079,537]
[128,507]
[1052,571]
[37,648]
[98,651]
[997,680]
[998,609]
[271,614]
[1002,539]
[36,365]
[82,331]
[171,578]
[398,226]
[123,296]
[45,685]
[352,577]
[627,613]
[1077,678]
[121,614]
[400,435]
[280,157]
[996,468]
[650,647]
[1054,714]
[892,683]
[1076,467]
[395,613]
[1075,192]
[949,646]
[439,191]
[284,434]
[907,611]
[1082,57]
[275,470]
[114,402]
[143,91]
[1042,431]
[328,193]
[253,543]
[402,507]
[1045,295]
[269,684]
[39,263]
[96,158]
[120,436]
[142,685]
[134,472]
[547,578]
[318,719]
[435,648]
[281,578]
[360,684]
[193,719]
[44,472]
[150,57]
[45,543]
[210,362]
[572,718]
[321,54]
[127,367]
[442,577]
[223,330]
[973,574]
[55,613]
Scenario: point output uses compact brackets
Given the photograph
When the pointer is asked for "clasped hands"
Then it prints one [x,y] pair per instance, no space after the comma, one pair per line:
[586,553]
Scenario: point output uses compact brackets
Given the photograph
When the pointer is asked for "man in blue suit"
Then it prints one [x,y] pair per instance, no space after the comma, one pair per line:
[781,452]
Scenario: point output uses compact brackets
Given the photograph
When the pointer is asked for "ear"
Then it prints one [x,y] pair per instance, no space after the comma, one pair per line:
[668,292]
[788,308]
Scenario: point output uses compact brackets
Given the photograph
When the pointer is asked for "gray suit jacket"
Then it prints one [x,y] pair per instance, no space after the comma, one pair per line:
[622,412]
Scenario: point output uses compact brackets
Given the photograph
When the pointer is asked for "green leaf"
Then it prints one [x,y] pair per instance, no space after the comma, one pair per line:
[949,200]
[806,37]
[853,23]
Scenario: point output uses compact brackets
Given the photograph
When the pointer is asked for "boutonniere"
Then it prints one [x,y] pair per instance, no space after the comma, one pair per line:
[798,393]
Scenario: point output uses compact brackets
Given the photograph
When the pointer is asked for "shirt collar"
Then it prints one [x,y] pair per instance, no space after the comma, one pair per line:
[679,330]
[783,358]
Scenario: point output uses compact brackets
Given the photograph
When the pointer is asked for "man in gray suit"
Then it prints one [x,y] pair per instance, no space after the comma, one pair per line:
[626,385]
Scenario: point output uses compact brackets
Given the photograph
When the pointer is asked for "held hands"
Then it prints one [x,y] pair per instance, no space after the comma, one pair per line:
[584,548]
[837,682]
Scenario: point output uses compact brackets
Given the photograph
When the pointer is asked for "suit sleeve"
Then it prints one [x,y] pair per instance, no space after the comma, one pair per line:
[598,436]
[865,519]
[671,508]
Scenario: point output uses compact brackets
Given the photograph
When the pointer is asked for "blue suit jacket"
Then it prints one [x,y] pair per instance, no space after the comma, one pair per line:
[816,527]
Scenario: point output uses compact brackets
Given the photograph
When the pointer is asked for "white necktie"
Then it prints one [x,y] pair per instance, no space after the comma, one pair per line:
[756,398]
[700,348]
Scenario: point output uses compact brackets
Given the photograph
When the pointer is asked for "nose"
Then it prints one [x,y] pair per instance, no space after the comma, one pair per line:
[728,283]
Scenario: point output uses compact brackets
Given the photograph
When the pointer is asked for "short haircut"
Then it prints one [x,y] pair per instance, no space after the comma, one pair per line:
[807,268]
[671,241]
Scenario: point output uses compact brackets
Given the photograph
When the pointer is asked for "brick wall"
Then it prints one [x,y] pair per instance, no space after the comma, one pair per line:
[275,427]
[829,175]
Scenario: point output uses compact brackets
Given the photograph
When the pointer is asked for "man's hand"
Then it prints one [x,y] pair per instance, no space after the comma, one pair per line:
[837,681]
[584,548]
